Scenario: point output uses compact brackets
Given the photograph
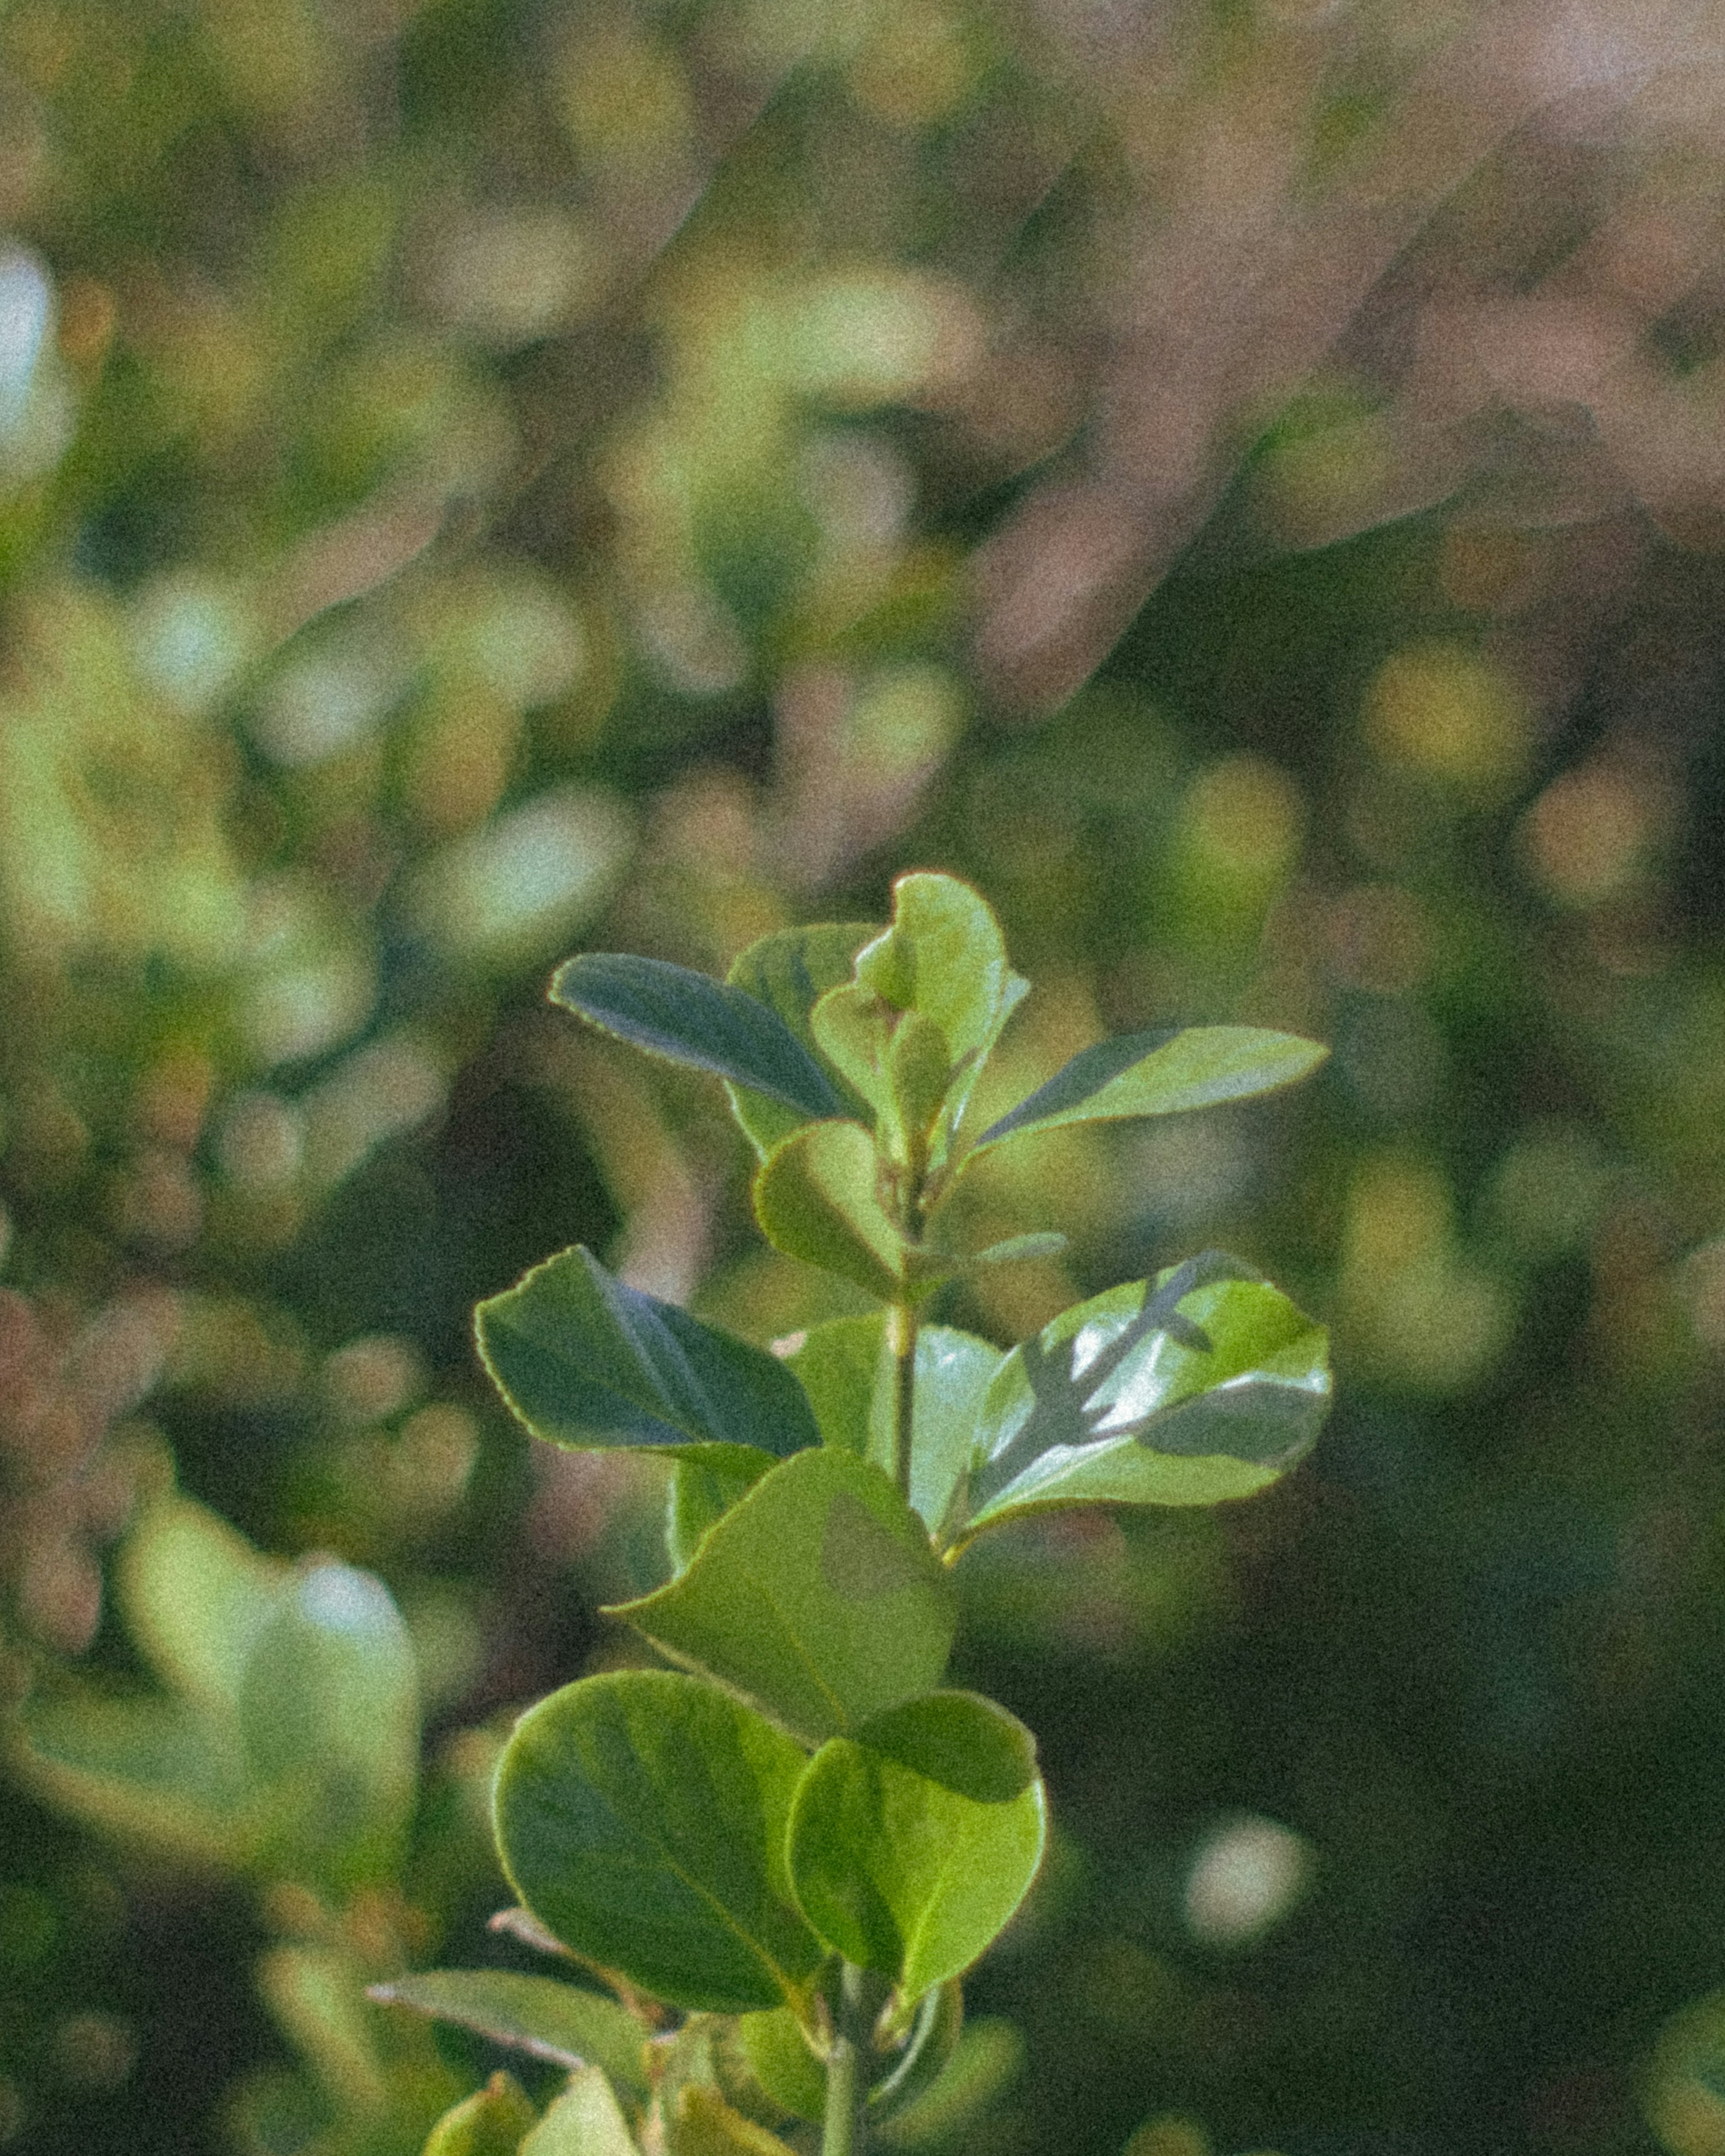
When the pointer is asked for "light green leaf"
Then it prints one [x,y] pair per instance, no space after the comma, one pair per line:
[587,1364]
[329,1712]
[557,2022]
[491,2122]
[777,2054]
[704,1486]
[154,1771]
[913,1842]
[1206,1387]
[1160,1074]
[194,1594]
[846,1370]
[818,1596]
[701,2123]
[816,1199]
[687,1018]
[641,1818]
[584,2121]
[790,971]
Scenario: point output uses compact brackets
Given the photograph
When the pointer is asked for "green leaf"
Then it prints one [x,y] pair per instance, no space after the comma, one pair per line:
[584,2121]
[491,2122]
[818,1596]
[557,2022]
[777,2054]
[1160,1074]
[912,1842]
[816,1199]
[989,2058]
[587,1363]
[1206,1387]
[687,1018]
[641,1818]
[329,1712]
[845,1367]
[153,1771]
[704,1486]
[790,971]
[703,2124]
[194,1594]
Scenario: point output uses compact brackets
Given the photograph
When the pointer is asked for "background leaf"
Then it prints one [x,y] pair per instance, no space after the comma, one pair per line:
[560,2023]
[789,971]
[491,2122]
[584,2121]
[1160,1074]
[1206,1387]
[641,1817]
[818,1596]
[815,1199]
[692,1019]
[587,1363]
[913,1842]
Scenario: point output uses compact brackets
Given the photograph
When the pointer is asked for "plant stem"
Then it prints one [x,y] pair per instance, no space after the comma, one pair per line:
[901,1338]
[842,2133]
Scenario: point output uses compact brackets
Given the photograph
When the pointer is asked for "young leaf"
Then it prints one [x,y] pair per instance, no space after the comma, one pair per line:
[790,971]
[559,2023]
[777,2054]
[490,2123]
[584,2121]
[641,1817]
[1160,1074]
[818,1596]
[688,1018]
[815,1199]
[587,1363]
[1205,1387]
[913,1842]
[848,1374]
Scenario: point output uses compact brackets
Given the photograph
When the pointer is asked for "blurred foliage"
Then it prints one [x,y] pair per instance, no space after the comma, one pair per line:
[1243,480]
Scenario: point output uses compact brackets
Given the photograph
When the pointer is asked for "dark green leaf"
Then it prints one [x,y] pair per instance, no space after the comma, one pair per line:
[913,1842]
[846,1370]
[688,1018]
[816,1199]
[1160,1074]
[818,1596]
[557,2022]
[641,1817]
[790,971]
[587,1363]
[1206,1387]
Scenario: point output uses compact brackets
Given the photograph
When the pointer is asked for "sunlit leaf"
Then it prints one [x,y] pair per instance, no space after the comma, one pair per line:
[587,1363]
[789,971]
[1206,1386]
[818,1596]
[913,1842]
[641,1817]
[848,1372]
[491,2122]
[689,1017]
[195,1595]
[557,2022]
[816,1199]
[584,2121]
[1160,1074]
[705,1484]
[701,2123]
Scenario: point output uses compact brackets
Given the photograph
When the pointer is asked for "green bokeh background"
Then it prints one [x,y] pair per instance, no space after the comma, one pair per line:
[1240,481]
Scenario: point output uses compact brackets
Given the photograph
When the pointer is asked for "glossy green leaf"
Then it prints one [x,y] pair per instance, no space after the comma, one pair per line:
[1205,1387]
[329,1713]
[816,1199]
[557,2022]
[586,2120]
[1160,1074]
[491,2122]
[818,1596]
[790,971]
[587,1363]
[704,1486]
[688,1018]
[933,2037]
[913,1842]
[641,1816]
[848,1373]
